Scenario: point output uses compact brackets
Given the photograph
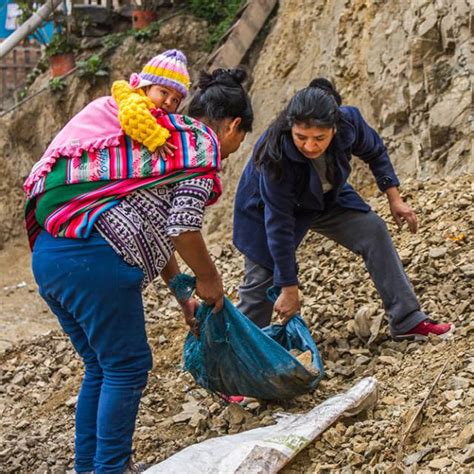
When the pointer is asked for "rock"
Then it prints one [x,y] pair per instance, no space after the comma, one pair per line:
[465,437]
[235,414]
[22,424]
[389,360]
[362,321]
[198,417]
[19,379]
[468,454]
[189,409]
[468,270]
[417,457]
[216,251]
[71,402]
[453,404]
[440,463]
[438,252]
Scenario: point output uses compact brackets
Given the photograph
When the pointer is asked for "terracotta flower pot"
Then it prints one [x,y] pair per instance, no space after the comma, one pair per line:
[142,18]
[60,64]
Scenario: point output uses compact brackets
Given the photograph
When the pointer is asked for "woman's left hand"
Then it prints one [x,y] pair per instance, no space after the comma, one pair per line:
[402,212]
[189,308]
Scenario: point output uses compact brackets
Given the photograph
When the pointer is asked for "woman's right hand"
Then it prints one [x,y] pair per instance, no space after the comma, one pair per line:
[211,291]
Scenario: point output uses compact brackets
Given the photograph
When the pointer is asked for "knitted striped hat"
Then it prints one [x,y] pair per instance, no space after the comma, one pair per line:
[167,69]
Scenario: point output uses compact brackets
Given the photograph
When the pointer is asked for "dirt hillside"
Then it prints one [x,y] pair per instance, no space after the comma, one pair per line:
[405,64]
[40,378]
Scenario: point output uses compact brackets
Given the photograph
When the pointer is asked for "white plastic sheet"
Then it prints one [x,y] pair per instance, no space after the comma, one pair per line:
[266,450]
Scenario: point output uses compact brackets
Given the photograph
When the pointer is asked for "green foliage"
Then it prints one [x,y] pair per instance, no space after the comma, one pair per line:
[59,44]
[113,40]
[147,33]
[21,94]
[26,7]
[56,85]
[219,14]
[92,68]
[30,78]
[214,11]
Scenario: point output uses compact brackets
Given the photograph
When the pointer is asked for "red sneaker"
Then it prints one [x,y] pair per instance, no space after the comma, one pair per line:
[422,330]
[239,399]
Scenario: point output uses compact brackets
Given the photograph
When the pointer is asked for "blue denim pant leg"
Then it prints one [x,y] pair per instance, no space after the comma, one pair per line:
[97,299]
[88,400]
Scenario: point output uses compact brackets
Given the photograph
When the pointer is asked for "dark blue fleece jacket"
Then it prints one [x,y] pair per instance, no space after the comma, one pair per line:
[272,217]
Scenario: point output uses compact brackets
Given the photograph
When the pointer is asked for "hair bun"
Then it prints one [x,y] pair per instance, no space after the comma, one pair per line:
[328,86]
[204,80]
[223,77]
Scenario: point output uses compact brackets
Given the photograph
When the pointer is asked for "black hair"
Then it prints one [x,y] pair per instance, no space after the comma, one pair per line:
[327,86]
[316,105]
[221,96]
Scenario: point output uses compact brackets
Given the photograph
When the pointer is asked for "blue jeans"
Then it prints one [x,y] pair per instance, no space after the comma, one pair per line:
[97,299]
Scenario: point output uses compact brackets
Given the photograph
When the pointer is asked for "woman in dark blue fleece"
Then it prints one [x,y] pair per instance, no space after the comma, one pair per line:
[295,181]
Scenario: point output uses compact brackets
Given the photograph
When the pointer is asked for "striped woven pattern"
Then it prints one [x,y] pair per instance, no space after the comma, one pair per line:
[67,201]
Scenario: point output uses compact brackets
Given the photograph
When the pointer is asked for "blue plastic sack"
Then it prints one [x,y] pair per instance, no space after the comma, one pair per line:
[233,356]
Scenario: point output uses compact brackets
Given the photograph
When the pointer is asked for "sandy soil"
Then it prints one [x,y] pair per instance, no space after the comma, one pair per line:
[23,313]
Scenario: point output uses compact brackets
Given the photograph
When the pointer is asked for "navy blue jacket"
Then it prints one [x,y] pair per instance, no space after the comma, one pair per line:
[272,217]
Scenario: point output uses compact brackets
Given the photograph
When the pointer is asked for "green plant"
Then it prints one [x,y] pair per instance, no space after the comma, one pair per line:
[33,74]
[59,44]
[92,68]
[21,94]
[147,33]
[142,35]
[27,8]
[57,84]
[113,40]
[219,14]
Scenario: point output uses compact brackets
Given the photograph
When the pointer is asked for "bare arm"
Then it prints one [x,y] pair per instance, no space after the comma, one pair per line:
[189,306]
[170,270]
[192,248]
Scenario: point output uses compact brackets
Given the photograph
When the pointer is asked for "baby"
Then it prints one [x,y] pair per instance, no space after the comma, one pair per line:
[162,84]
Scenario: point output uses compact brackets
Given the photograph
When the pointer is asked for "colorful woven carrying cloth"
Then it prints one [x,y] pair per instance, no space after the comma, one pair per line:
[67,194]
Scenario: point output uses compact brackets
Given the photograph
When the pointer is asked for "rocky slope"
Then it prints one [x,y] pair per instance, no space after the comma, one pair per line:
[405,64]
[40,379]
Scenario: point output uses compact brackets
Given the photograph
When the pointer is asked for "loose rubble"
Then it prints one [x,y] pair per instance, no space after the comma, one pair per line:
[39,379]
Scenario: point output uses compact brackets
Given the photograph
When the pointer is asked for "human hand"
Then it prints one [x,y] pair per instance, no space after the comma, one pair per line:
[288,303]
[402,212]
[166,149]
[189,308]
[211,291]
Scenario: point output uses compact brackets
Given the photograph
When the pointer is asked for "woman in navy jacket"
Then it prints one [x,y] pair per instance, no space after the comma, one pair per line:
[295,181]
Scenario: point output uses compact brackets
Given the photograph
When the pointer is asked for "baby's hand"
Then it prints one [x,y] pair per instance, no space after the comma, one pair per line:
[166,149]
